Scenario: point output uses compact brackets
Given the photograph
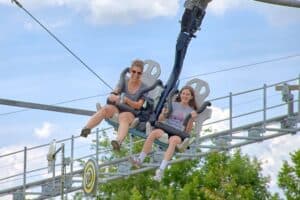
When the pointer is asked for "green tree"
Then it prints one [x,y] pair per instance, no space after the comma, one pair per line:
[218,176]
[289,177]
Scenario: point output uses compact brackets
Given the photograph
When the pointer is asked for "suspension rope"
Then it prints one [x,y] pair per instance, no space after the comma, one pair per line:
[244,66]
[61,43]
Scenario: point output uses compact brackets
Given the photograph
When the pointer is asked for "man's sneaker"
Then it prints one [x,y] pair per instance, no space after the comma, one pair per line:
[116,145]
[135,162]
[158,175]
[85,132]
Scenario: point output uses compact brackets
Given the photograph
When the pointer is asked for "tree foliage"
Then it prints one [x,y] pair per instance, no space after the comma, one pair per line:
[218,176]
[289,177]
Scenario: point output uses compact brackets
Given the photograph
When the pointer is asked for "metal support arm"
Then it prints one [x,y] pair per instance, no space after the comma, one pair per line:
[190,23]
[290,3]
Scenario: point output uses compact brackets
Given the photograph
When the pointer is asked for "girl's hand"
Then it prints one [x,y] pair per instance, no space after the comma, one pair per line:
[165,110]
[194,115]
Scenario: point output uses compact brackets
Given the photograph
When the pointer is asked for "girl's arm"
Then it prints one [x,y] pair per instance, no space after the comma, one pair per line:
[189,126]
[162,115]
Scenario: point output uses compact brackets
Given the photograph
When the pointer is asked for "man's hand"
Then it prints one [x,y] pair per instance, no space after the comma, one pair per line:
[114,98]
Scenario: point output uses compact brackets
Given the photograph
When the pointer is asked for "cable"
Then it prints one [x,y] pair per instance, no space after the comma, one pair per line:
[244,66]
[63,102]
[61,43]
[204,74]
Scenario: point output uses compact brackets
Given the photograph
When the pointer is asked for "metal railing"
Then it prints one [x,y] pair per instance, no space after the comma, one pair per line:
[30,170]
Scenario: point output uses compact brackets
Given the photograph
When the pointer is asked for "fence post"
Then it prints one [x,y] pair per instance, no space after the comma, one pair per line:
[62,170]
[72,155]
[97,145]
[265,106]
[230,112]
[24,172]
[299,97]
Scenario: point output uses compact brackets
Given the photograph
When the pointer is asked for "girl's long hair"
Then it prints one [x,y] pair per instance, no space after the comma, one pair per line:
[192,102]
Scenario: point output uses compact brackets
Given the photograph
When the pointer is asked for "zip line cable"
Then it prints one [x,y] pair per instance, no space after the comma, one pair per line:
[244,66]
[61,43]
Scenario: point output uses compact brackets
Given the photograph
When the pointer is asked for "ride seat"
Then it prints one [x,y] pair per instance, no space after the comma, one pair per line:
[202,90]
[150,75]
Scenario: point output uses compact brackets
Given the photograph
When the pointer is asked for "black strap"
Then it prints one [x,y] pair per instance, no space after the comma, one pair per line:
[171,131]
[115,93]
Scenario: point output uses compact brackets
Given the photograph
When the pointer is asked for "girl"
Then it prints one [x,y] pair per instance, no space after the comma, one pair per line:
[183,105]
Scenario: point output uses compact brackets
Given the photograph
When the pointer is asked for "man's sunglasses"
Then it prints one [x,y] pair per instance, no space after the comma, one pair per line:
[136,72]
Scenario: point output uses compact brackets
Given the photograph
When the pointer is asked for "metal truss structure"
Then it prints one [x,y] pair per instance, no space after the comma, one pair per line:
[272,113]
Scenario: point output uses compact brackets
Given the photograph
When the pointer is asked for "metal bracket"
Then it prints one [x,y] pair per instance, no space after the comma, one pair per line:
[157,156]
[124,167]
[256,132]
[287,96]
[18,195]
[222,141]
[289,122]
[286,89]
[202,4]
[54,186]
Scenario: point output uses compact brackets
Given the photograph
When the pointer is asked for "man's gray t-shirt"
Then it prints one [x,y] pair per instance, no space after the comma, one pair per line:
[133,97]
[178,115]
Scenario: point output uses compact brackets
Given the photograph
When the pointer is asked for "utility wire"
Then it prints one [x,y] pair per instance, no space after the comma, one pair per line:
[204,74]
[63,102]
[244,66]
[61,43]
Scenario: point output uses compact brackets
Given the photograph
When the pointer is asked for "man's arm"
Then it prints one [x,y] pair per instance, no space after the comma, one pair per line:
[134,104]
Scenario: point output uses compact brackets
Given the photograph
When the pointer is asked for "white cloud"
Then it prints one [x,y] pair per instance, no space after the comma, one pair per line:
[272,153]
[32,26]
[28,26]
[13,164]
[274,14]
[279,15]
[45,131]
[36,4]
[217,114]
[110,12]
[129,11]
[220,7]
[5,2]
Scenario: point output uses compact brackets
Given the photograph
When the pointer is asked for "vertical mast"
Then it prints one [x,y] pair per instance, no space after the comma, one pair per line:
[190,23]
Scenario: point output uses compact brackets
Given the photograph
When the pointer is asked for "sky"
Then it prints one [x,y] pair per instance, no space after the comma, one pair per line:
[108,35]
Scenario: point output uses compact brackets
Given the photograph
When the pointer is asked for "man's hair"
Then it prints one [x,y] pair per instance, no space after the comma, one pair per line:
[138,63]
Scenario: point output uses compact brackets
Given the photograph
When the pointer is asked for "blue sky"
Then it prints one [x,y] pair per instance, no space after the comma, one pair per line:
[108,35]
